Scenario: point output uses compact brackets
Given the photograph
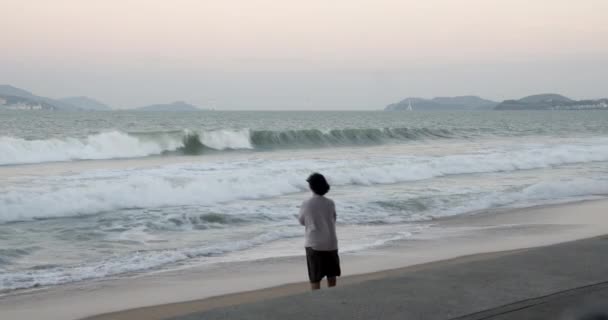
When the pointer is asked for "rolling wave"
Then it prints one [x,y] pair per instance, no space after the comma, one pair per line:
[117,144]
[213,183]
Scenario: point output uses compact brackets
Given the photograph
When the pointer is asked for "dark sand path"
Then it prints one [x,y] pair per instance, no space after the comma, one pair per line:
[563,281]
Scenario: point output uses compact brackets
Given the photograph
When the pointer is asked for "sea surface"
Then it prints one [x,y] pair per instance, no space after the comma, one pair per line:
[96,195]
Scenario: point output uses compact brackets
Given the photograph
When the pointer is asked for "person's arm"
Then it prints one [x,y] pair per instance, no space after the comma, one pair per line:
[301,215]
[335,214]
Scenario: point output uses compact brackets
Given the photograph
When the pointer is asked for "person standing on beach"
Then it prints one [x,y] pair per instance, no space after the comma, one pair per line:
[318,215]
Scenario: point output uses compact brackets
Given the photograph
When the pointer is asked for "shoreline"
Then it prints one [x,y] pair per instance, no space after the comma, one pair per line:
[174,293]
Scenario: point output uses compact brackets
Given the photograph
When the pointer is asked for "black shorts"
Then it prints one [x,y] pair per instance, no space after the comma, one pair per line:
[322,264]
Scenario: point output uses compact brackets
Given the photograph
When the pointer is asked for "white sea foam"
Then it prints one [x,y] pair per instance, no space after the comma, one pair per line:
[209,183]
[113,145]
[106,145]
[545,192]
[135,261]
[153,259]
[226,139]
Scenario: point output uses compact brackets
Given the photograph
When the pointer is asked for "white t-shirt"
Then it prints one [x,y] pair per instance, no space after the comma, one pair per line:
[318,215]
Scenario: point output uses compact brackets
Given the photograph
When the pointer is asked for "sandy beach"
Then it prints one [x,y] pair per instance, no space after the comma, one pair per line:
[483,236]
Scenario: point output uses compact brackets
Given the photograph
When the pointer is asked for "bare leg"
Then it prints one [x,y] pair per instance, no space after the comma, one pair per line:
[315,285]
[331,282]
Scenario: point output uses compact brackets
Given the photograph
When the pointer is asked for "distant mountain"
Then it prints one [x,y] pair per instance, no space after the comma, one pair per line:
[86,103]
[13,98]
[443,104]
[551,101]
[466,102]
[13,91]
[19,99]
[175,106]
[546,98]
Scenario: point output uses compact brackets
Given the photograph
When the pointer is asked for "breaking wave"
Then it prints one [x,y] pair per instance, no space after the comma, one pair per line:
[212,183]
[136,261]
[142,260]
[117,144]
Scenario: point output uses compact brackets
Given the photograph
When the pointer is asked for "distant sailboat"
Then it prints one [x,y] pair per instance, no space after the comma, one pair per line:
[409,105]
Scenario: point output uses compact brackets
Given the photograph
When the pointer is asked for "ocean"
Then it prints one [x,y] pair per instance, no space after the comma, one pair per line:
[97,195]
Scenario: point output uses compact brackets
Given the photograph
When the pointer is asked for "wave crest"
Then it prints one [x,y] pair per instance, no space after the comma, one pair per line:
[341,137]
[117,144]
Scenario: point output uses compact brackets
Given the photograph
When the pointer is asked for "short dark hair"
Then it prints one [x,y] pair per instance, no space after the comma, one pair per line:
[318,184]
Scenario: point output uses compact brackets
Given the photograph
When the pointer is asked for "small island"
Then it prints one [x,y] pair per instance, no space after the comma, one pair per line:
[552,101]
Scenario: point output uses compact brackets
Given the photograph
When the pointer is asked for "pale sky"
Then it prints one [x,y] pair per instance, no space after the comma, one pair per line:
[308,54]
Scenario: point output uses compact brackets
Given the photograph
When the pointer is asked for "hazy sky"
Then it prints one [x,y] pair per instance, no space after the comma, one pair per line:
[308,54]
